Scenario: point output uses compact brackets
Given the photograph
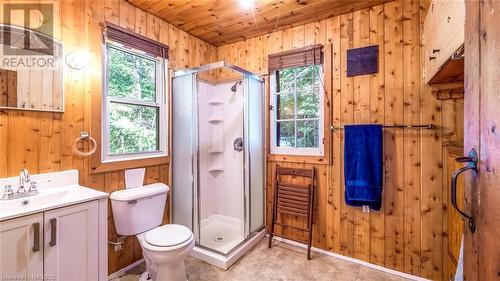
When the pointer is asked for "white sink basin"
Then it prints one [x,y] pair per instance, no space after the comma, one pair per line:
[54,192]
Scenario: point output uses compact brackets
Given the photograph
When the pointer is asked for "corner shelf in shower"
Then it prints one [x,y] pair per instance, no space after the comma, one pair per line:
[216,168]
[215,101]
[216,162]
[216,134]
[216,119]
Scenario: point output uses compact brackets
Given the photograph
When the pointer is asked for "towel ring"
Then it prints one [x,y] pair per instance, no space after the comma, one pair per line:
[84,136]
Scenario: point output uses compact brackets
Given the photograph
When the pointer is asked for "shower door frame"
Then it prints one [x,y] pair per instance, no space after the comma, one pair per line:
[196,216]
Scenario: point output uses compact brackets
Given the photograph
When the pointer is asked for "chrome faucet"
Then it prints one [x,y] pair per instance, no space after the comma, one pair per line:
[24,179]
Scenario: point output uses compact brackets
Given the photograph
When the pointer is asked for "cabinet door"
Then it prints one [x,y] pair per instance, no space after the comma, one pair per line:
[71,242]
[21,249]
[443,34]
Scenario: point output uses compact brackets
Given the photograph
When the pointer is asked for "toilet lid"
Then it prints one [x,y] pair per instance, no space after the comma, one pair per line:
[168,235]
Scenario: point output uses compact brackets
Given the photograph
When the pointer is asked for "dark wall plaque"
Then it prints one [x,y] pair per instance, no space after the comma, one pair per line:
[361,61]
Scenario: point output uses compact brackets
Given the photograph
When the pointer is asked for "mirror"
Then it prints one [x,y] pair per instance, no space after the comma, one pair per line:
[31,70]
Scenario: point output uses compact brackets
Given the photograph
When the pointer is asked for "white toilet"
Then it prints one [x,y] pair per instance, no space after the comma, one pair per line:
[139,211]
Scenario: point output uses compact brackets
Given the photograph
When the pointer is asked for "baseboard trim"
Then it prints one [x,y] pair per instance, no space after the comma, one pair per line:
[122,271]
[353,260]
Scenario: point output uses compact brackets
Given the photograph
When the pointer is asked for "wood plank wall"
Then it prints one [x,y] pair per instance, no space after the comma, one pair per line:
[408,234]
[41,142]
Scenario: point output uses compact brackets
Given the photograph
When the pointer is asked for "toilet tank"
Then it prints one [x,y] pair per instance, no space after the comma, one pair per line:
[136,210]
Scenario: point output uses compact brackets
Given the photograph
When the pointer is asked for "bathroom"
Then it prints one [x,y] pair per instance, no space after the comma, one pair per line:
[154,140]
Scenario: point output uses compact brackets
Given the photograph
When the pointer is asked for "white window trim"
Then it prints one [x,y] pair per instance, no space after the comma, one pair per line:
[161,104]
[272,118]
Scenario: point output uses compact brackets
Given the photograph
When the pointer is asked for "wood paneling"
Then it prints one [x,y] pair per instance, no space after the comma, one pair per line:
[222,22]
[409,233]
[472,107]
[42,141]
[453,222]
[481,255]
[8,88]
[31,89]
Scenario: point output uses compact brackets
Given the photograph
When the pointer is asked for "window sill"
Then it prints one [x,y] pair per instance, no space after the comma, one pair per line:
[129,164]
[307,159]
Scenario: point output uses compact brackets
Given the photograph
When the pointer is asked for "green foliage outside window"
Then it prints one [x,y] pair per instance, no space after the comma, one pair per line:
[298,107]
[131,76]
[133,128]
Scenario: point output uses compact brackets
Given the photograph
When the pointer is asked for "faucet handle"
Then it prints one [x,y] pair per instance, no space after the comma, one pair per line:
[8,191]
[33,186]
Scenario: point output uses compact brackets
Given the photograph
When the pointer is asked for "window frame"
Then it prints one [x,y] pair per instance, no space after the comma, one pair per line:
[160,103]
[274,149]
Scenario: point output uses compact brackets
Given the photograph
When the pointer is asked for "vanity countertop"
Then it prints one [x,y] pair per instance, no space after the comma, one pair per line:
[56,190]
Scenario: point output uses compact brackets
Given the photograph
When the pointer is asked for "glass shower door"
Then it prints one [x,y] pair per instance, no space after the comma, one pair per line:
[183,145]
[220,192]
[256,152]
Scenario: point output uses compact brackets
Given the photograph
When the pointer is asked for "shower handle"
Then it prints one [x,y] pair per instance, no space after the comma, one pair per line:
[238,144]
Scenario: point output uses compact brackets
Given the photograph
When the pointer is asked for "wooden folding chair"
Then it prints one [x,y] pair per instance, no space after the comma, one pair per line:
[293,200]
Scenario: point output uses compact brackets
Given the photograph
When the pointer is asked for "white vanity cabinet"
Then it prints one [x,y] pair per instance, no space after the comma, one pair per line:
[71,245]
[61,244]
[21,251]
[57,234]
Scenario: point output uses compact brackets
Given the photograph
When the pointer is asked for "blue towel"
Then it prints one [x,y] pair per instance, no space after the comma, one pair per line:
[363,165]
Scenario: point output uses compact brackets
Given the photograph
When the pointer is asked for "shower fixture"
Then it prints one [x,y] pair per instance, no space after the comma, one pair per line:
[235,86]
[218,165]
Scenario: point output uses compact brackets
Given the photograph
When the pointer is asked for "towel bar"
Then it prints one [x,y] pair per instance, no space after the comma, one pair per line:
[425,126]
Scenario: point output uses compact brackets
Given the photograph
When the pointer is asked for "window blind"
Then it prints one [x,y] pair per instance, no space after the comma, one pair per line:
[136,41]
[296,58]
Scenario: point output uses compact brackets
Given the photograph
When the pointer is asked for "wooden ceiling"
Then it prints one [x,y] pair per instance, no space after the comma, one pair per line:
[225,21]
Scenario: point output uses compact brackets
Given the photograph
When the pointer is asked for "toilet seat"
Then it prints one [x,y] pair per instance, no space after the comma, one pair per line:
[166,237]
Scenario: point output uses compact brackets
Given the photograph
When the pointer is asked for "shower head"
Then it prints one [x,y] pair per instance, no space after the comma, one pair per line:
[235,86]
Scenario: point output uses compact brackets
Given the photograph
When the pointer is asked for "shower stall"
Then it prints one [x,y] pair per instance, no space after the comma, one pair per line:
[218,159]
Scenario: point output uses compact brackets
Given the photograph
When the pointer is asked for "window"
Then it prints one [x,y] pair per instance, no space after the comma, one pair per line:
[297,110]
[134,107]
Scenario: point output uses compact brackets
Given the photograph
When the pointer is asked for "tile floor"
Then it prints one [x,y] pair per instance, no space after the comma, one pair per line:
[282,262]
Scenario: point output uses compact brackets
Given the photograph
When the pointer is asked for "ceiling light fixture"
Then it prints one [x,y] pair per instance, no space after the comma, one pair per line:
[247,3]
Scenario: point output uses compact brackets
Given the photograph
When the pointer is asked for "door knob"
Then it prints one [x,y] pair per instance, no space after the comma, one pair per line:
[471,161]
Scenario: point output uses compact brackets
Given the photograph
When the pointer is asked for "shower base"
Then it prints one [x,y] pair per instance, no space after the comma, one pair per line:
[221,235]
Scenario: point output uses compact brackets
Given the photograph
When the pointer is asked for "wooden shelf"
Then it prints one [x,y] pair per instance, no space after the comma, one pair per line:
[451,71]
[448,83]
[448,91]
